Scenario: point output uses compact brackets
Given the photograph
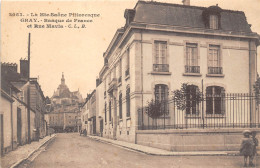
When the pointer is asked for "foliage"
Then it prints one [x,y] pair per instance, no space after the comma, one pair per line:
[155,109]
[180,97]
[257,90]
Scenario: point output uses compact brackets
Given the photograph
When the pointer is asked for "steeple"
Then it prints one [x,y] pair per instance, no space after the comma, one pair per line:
[63,79]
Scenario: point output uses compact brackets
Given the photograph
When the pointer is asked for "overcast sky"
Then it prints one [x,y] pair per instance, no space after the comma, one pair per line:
[79,52]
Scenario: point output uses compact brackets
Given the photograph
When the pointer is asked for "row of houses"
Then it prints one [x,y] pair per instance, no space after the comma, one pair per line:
[209,50]
[22,107]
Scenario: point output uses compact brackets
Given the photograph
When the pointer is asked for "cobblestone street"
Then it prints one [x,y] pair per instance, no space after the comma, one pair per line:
[72,150]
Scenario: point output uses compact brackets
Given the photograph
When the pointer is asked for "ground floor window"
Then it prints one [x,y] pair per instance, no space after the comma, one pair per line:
[161,97]
[192,102]
[215,103]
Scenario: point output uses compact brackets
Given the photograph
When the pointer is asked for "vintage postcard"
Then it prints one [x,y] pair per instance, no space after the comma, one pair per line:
[130,83]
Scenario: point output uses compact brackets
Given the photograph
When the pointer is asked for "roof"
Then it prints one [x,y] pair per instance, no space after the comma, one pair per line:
[187,16]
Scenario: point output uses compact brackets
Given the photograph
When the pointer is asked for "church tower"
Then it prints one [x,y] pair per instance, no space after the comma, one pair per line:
[62,79]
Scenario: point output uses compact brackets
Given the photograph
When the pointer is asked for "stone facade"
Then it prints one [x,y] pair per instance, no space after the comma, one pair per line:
[152,52]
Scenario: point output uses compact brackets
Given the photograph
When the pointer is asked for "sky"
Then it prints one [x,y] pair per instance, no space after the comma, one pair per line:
[79,52]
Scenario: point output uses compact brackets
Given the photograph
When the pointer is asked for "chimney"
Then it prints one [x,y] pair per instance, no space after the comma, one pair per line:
[186,2]
[24,69]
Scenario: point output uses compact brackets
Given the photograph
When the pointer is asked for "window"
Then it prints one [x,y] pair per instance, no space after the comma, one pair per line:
[128,102]
[192,59]
[120,106]
[215,103]
[160,57]
[127,63]
[213,22]
[161,96]
[214,60]
[192,102]
[105,112]
[120,71]
[110,108]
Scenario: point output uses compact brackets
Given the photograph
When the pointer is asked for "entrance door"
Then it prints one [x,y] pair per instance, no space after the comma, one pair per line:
[2,133]
[94,125]
[19,126]
[101,127]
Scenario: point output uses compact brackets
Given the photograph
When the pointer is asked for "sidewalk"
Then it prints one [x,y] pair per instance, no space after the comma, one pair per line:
[160,152]
[15,157]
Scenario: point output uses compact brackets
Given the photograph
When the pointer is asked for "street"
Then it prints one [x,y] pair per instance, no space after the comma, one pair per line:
[72,150]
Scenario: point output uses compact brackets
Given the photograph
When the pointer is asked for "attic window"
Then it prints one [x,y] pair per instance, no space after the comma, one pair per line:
[212,17]
[213,22]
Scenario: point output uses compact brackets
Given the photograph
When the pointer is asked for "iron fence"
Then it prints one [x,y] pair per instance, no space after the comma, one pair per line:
[211,111]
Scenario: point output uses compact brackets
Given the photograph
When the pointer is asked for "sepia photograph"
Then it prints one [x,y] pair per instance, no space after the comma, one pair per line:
[130,84]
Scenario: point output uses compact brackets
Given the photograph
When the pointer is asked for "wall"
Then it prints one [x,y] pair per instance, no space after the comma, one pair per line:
[6,111]
[192,140]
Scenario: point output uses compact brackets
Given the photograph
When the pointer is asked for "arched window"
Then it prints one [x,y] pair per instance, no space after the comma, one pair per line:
[215,100]
[110,106]
[192,102]
[105,112]
[161,96]
[128,102]
[120,106]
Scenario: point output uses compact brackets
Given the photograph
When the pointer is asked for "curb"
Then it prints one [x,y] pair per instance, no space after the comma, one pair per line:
[221,153]
[30,154]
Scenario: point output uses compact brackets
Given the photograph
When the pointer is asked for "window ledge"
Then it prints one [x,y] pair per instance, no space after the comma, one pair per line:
[120,119]
[215,75]
[192,74]
[128,118]
[119,84]
[160,73]
[127,77]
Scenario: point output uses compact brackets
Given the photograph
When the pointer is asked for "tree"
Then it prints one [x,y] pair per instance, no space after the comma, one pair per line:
[257,89]
[155,109]
[181,95]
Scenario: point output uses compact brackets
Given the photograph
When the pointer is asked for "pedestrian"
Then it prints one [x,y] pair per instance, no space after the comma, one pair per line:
[85,132]
[255,140]
[247,148]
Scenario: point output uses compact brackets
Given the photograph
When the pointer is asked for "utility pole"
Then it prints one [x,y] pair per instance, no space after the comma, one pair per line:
[28,93]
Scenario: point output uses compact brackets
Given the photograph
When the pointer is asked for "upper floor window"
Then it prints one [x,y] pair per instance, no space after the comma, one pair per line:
[160,57]
[127,62]
[213,22]
[214,60]
[192,58]
[120,71]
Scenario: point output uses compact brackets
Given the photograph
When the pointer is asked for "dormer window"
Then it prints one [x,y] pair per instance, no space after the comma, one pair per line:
[212,17]
[213,22]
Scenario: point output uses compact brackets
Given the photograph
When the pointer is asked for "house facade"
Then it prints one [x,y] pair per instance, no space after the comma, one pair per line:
[211,50]
[18,119]
[88,114]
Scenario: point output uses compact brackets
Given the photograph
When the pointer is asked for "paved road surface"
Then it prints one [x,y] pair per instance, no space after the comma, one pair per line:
[74,151]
